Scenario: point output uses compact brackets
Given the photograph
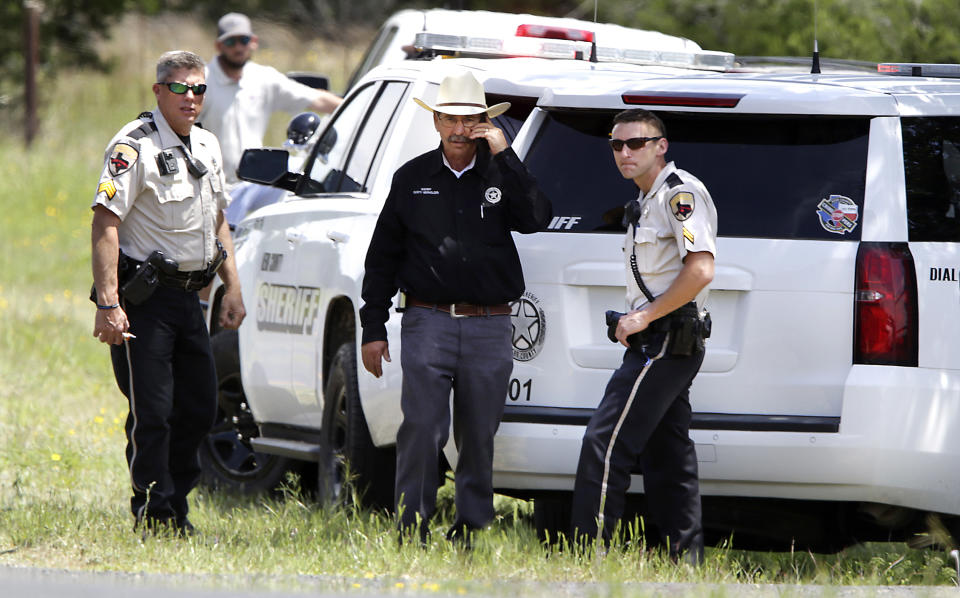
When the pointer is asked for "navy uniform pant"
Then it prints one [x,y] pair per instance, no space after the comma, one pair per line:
[473,358]
[644,416]
[167,374]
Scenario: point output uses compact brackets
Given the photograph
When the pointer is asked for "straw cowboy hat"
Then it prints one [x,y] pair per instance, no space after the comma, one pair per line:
[462,94]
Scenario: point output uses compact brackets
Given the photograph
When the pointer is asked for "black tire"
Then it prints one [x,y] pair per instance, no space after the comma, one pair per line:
[227,460]
[346,445]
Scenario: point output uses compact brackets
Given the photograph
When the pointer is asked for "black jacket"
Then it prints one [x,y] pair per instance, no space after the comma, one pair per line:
[447,240]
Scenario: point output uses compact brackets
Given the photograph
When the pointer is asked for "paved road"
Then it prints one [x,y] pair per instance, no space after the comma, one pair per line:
[49,583]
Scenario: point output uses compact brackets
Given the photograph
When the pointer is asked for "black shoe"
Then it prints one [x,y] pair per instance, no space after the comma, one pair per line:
[149,525]
[184,528]
[461,536]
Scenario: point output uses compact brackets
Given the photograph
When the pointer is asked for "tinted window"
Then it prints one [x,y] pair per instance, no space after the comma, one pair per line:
[326,170]
[931,162]
[372,136]
[767,175]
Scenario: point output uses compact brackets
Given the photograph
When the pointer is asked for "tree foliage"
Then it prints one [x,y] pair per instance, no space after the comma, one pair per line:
[879,30]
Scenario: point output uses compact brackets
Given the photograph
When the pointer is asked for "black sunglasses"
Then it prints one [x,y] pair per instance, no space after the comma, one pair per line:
[633,143]
[240,39]
[181,88]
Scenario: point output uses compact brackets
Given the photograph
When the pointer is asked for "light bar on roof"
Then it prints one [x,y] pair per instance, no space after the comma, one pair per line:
[548,47]
[551,32]
[917,69]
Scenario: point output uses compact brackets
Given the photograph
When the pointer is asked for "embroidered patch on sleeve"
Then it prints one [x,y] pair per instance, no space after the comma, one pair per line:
[688,234]
[122,158]
[681,205]
[108,188]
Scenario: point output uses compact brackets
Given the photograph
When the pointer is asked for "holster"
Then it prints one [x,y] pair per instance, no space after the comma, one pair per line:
[688,328]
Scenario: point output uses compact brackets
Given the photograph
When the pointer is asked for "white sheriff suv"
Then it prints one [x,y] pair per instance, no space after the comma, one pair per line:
[824,408]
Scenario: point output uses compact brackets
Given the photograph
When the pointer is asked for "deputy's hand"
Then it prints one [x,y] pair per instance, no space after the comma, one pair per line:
[110,324]
[232,311]
[371,354]
[494,136]
[635,321]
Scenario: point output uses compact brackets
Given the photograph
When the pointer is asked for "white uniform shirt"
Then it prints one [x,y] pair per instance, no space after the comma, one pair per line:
[238,112]
[175,213]
[677,217]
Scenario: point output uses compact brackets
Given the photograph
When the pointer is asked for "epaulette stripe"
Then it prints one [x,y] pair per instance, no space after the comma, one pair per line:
[143,130]
[674,180]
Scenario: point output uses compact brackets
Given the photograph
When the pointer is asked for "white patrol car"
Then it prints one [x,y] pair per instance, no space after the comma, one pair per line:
[824,406]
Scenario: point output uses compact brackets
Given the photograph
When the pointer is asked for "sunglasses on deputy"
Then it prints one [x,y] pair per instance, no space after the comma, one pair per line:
[240,39]
[181,88]
[633,143]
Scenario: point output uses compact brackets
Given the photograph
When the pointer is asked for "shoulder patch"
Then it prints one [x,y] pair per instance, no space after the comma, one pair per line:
[122,157]
[108,188]
[674,180]
[682,205]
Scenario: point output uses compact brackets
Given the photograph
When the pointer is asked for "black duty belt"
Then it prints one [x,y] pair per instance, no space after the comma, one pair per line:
[463,310]
[185,281]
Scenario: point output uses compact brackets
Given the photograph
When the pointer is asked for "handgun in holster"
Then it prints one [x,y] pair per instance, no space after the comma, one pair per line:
[140,280]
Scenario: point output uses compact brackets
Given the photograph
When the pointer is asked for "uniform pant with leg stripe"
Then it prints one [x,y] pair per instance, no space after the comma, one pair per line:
[644,415]
[167,374]
[473,358]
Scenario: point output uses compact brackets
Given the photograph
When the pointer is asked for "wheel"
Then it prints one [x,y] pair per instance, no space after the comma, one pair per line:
[350,464]
[227,460]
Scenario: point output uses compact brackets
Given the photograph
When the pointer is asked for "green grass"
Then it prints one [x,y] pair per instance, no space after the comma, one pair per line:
[63,480]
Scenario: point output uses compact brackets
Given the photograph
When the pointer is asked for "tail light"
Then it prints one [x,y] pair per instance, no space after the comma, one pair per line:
[885,305]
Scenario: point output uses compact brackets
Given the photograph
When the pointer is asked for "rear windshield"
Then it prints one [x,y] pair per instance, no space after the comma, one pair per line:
[931,163]
[771,177]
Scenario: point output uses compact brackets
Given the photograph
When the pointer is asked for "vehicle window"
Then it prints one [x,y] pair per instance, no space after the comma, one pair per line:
[378,47]
[767,175]
[931,162]
[372,136]
[326,167]
[422,136]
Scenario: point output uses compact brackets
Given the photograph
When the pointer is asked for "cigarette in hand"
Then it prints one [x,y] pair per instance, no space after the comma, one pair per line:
[128,335]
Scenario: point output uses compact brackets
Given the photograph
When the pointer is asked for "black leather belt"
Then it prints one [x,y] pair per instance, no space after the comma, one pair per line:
[463,310]
[185,281]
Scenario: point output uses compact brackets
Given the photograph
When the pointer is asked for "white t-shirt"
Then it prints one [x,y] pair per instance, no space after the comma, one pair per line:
[238,112]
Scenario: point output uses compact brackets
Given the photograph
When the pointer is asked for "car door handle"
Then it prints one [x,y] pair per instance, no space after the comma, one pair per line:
[337,236]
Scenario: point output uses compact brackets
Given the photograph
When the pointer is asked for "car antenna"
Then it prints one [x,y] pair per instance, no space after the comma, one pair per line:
[815,67]
[593,42]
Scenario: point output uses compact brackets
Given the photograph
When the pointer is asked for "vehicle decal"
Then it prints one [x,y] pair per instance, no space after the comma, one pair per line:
[122,158]
[838,214]
[285,308]
[682,205]
[271,262]
[108,188]
[529,327]
[943,274]
[520,390]
[563,222]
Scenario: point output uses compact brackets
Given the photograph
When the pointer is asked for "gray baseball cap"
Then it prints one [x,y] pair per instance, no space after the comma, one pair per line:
[233,24]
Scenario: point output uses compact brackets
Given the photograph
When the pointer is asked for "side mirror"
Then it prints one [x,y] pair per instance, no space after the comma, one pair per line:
[314,80]
[267,167]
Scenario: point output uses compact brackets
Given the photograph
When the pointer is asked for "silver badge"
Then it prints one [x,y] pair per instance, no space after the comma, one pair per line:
[492,195]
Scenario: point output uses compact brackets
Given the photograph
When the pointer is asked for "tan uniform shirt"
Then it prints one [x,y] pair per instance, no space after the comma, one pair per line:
[677,217]
[175,213]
